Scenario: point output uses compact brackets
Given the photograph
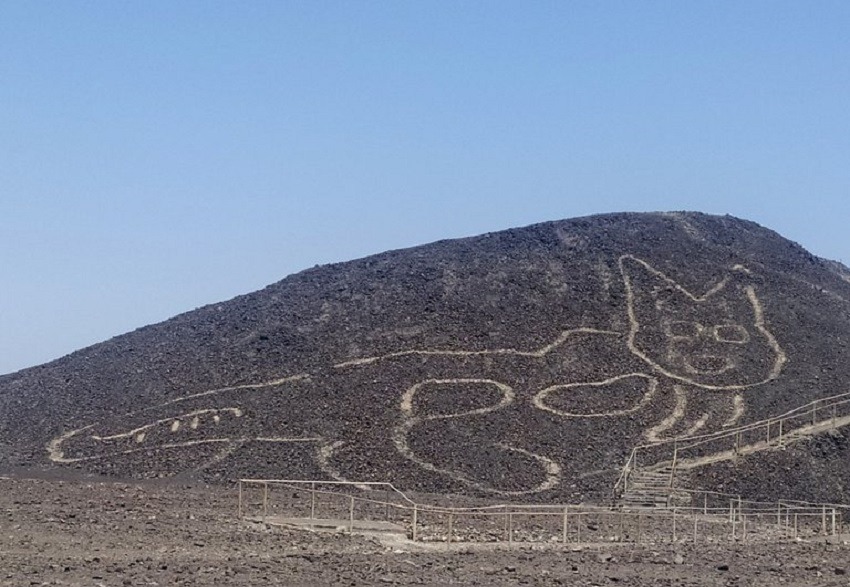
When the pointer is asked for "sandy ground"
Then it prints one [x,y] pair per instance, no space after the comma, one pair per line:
[86,532]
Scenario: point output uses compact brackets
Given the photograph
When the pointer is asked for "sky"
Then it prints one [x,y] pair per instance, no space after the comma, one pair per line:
[158,156]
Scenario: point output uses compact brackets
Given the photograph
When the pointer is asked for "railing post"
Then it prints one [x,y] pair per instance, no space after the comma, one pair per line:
[779,440]
[240,499]
[696,517]
[795,526]
[674,524]
[413,525]
[510,529]
[451,527]
[313,500]
[823,518]
[768,431]
[564,527]
[732,517]
[833,522]
[265,500]
[639,528]
[833,416]
[673,466]
[351,514]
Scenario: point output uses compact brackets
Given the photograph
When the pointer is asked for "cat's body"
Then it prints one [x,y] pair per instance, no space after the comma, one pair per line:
[682,368]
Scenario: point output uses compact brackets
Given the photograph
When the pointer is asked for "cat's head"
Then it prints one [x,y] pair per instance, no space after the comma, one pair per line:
[717,340]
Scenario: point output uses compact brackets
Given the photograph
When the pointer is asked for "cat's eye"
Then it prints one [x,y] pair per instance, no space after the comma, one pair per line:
[733,333]
[683,329]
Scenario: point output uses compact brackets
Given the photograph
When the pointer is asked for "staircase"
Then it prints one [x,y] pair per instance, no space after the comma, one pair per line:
[651,488]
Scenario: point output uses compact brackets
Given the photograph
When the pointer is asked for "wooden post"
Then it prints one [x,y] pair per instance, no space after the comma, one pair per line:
[787,521]
[823,518]
[673,466]
[265,501]
[744,530]
[639,524]
[507,523]
[622,526]
[731,510]
[833,416]
[413,532]
[814,412]
[240,499]
[732,515]
[795,526]
[833,522]
[564,527]
[386,504]
[674,524]
[737,443]
[780,433]
[510,529]
[696,517]
[705,504]
[578,527]
[779,514]
[451,527]
[351,514]
[313,500]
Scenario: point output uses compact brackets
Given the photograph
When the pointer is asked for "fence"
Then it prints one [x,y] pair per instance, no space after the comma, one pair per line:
[350,506]
[682,453]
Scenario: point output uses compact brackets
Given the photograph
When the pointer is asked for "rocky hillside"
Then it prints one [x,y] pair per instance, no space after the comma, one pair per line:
[523,364]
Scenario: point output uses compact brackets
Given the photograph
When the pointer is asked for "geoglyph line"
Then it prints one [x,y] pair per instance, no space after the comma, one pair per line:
[551,469]
[654,433]
[758,315]
[541,352]
[539,399]
[738,408]
[237,412]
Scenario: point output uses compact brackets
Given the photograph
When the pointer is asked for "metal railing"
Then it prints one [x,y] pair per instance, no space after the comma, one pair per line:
[676,453]
[350,506]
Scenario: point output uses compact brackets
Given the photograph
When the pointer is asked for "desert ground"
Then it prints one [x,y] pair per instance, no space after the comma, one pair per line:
[95,532]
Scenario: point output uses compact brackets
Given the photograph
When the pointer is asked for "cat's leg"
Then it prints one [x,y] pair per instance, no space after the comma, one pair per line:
[445,428]
[698,412]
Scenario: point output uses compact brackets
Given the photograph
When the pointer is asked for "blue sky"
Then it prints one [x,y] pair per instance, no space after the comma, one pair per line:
[157,156]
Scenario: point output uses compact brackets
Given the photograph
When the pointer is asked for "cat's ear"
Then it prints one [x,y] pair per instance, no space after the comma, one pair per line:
[644,283]
[647,287]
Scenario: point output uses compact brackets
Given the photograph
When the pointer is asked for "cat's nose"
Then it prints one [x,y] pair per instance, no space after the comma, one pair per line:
[708,364]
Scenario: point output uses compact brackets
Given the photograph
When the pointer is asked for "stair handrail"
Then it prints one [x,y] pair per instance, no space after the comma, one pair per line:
[625,473]
[694,441]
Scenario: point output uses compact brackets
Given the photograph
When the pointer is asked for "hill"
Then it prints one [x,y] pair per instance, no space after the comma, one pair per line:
[523,364]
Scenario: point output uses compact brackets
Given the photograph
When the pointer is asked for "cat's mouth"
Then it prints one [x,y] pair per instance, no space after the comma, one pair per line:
[708,364]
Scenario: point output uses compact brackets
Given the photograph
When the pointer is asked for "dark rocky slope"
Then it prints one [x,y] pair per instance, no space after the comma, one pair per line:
[524,363]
